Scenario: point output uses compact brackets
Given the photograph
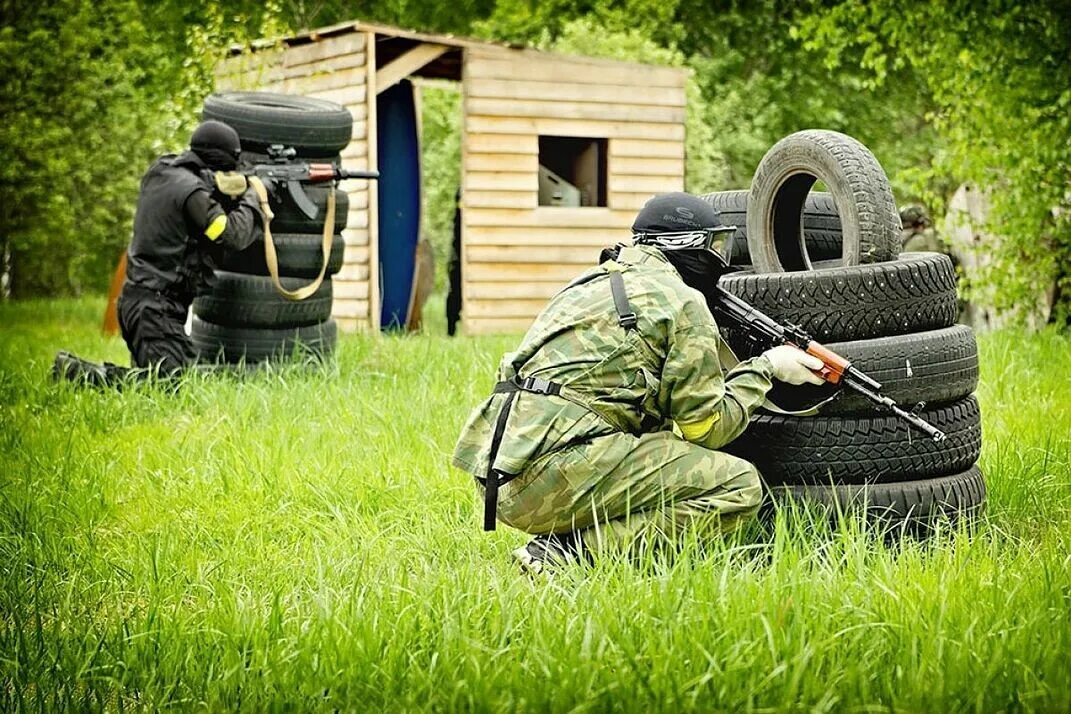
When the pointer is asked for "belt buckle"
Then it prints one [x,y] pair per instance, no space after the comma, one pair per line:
[535,384]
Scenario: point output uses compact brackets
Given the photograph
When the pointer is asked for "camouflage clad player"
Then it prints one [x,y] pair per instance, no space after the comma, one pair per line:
[581,421]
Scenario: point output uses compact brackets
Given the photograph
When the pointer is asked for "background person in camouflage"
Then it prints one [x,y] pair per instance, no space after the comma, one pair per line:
[599,464]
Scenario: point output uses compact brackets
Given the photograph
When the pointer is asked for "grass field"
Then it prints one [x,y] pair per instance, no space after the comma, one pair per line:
[296,539]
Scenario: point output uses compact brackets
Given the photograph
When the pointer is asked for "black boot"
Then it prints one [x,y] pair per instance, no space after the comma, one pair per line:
[545,553]
[70,368]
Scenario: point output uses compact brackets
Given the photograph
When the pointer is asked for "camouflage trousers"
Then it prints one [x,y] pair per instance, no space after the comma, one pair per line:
[620,487]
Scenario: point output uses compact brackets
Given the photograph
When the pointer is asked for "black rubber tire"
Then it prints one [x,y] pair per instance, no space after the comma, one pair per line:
[921,502]
[837,304]
[870,222]
[220,343]
[300,255]
[934,367]
[239,300]
[315,128]
[289,219]
[821,224]
[863,449]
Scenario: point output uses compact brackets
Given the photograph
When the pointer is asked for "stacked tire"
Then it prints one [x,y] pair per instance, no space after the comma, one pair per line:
[244,318]
[821,225]
[892,316]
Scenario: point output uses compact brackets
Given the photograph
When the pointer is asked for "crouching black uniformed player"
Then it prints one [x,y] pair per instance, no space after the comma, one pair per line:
[186,218]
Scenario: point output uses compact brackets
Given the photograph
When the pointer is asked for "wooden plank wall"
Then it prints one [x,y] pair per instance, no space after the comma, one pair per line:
[515,253]
[335,68]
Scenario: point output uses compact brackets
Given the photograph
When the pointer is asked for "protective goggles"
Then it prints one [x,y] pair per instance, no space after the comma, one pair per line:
[713,239]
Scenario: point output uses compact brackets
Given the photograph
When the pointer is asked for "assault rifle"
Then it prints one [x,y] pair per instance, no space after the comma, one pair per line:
[281,171]
[765,332]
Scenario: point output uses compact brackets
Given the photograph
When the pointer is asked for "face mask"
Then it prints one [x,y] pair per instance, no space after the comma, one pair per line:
[699,269]
[217,159]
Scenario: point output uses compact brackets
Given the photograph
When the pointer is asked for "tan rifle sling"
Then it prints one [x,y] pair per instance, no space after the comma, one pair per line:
[272,259]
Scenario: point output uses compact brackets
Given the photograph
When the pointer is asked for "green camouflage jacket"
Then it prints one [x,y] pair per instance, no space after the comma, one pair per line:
[663,372]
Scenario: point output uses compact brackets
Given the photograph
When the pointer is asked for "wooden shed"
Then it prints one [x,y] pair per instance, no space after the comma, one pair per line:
[558,154]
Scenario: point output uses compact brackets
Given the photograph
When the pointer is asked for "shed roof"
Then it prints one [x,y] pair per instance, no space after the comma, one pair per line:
[392,42]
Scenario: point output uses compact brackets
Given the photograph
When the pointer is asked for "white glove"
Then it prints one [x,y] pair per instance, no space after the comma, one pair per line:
[793,366]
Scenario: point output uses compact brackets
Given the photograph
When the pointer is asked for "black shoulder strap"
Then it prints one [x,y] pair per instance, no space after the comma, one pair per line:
[625,316]
[494,478]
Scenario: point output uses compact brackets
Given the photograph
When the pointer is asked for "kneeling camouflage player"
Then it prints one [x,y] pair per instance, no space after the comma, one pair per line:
[576,444]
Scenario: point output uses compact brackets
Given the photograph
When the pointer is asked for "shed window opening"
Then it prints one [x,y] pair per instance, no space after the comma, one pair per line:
[572,171]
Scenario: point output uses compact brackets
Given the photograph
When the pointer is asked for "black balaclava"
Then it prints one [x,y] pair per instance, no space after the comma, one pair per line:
[699,269]
[217,145]
[680,212]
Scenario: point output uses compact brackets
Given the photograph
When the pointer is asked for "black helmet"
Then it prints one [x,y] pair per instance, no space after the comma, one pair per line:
[217,144]
[689,232]
[679,221]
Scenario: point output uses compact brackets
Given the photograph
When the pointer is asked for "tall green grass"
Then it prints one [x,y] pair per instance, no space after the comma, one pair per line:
[296,539]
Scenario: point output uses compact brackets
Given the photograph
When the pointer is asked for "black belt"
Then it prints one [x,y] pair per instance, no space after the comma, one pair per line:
[168,294]
[496,478]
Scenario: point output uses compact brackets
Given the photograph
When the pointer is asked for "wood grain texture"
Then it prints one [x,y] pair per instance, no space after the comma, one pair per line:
[350,289]
[574,110]
[351,324]
[500,181]
[372,309]
[352,271]
[527,272]
[324,49]
[645,184]
[500,199]
[531,65]
[563,91]
[560,255]
[549,217]
[501,143]
[528,163]
[480,124]
[355,236]
[623,166]
[508,290]
[513,307]
[638,148]
[350,308]
[548,239]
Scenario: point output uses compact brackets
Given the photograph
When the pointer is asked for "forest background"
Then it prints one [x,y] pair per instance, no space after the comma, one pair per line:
[943,92]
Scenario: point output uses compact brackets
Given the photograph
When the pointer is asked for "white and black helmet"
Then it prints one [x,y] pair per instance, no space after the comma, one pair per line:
[680,221]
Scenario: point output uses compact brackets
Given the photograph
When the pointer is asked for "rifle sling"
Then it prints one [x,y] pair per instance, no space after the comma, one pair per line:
[272,259]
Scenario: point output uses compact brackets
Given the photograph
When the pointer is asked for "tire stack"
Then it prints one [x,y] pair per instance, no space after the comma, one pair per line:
[821,225]
[244,319]
[892,316]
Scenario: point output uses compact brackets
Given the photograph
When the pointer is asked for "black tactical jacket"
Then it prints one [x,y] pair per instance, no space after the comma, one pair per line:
[182,226]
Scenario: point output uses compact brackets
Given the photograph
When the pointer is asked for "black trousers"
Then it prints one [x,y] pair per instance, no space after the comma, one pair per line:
[154,328]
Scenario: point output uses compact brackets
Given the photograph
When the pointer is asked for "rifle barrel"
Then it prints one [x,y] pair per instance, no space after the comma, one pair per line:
[348,174]
[920,423]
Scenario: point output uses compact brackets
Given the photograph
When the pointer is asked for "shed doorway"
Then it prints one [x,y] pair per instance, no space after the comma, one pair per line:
[398,147]
[418,140]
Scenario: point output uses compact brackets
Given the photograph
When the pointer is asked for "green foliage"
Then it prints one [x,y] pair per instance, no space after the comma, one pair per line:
[297,541]
[453,17]
[440,106]
[753,81]
[91,94]
[999,75]
[941,92]
[75,104]
[705,166]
